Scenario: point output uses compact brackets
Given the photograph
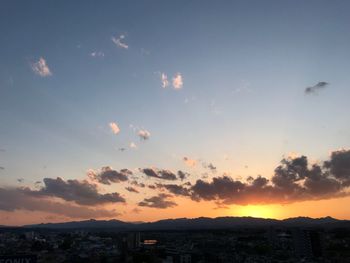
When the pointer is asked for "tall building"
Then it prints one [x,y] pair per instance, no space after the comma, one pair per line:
[133,240]
[307,243]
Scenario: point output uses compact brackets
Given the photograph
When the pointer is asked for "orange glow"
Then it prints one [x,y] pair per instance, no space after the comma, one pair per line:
[260,211]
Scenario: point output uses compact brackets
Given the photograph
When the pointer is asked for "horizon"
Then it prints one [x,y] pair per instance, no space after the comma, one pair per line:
[180,218]
[143,111]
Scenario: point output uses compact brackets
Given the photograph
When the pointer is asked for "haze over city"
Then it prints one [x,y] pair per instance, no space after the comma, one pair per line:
[148,110]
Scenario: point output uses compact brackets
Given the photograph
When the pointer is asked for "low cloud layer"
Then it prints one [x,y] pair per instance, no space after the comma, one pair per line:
[294,180]
[314,89]
[80,192]
[12,199]
[107,175]
[160,201]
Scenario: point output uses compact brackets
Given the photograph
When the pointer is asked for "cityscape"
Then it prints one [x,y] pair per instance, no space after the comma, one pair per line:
[247,240]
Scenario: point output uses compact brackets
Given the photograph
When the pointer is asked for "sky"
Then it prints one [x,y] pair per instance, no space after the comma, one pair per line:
[146,110]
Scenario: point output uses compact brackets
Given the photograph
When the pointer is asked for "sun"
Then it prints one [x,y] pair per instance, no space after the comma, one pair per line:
[261,211]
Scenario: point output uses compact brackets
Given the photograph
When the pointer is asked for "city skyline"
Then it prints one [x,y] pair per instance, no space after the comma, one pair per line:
[149,110]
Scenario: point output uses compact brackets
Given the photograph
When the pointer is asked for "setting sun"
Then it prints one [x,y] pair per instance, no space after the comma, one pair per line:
[261,211]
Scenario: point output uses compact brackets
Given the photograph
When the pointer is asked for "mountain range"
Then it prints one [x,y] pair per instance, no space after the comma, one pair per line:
[196,223]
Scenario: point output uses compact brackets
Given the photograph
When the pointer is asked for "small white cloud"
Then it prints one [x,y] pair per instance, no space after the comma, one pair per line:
[132,145]
[97,54]
[190,162]
[41,68]
[114,127]
[164,79]
[144,134]
[177,81]
[119,43]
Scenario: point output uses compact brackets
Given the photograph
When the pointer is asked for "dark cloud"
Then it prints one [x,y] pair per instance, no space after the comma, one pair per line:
[313,89]
[142,185]
[339,166]
[209,166]
[182,175]
[160,201]
[107,175]
[20,180]
[175,189]
[294,180]
[131,189]
[160,174]
[80,192]
[151,186]
[2,168]
[12,199]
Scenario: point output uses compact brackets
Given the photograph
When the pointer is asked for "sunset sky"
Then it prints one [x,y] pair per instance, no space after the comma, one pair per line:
[146,110]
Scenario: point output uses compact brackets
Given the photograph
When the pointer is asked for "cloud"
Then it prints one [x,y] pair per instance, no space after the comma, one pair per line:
[2,168]
[182,175]
[209,166]
[160,201]
[339,166]
[114,127]
[41,68]
[12,199]
[107,175]
[294,180]
[314,89]
[160,174]
[164,79]
[177,81]
[175,189]
[80,192]
[142,185]
[190,162]
[144,134]
[131,189]
[96,54]
[119,43]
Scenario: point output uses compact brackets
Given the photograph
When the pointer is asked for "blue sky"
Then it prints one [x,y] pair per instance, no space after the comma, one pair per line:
[244,66]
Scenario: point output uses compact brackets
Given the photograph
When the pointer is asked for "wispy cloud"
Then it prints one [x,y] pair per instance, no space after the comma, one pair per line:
[314,89]
[177,81]
[97,54]
[41,68]
[132,145]
[164,80]
[144,134]
[114,127]
[119,42]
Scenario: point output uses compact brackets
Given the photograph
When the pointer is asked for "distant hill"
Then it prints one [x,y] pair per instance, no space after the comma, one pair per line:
[92,223]
[197,223]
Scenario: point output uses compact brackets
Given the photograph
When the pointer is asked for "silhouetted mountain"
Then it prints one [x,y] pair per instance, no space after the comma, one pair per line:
[92,223]
[197,223]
